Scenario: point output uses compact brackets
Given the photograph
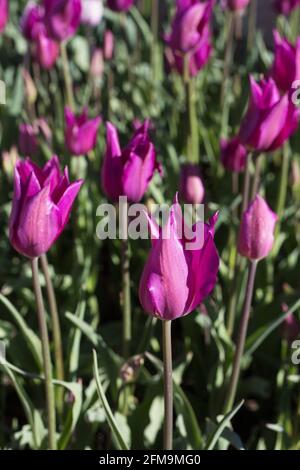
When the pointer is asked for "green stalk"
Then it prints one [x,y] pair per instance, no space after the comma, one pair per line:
[168,385]
[252,24]
[256,179]
[46,355]
[241,339]
[67,76]
[246,188]
[283,186]
[224,99]
[193,136]
[58,349]
[126,298]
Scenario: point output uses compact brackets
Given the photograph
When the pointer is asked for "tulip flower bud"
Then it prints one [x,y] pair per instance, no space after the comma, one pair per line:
[175,279]
[81,132]
[3,14]
[191,187]
[285,7]
[128,171]
[286,66]
[256,236]
[97,64]
[28,143]
[233,155]
[42,203]
[119,5]
[30,88]
[92,12]
[108,45]
[290,328]
[271,118]
[62,18]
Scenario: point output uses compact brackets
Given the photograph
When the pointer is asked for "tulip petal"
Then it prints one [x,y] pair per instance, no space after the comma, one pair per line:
[66,201]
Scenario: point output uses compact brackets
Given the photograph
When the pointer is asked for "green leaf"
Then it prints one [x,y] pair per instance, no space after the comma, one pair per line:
[32,340]
[76,339]
[73,415]
[108,413]
[222,426]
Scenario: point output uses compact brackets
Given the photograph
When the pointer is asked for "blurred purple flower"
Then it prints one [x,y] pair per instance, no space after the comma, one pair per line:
[42,203]
[256,236]
[285,7]
[290,328]
[175,279]
[286,66]
[236,5]
[81,132]
[62,18]
[128,172]
[233,155]
[4,13]
[108,45]
[91,12]
[119,5]
[270,120]
[28,144]
[191,186]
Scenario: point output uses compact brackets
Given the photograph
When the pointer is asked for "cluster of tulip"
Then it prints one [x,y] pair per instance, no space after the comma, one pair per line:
[175,280]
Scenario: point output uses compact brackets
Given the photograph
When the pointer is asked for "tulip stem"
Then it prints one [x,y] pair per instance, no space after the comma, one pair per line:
[283,185]
[46,355]
[256,180]
[227,61]
[168,385]
[252,17]
[58,349]
[67,76]
[126,298]
[246,188]
[241,339]
[193,136]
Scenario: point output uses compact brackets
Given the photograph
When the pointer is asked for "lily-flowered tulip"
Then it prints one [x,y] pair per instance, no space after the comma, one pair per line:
[3,14]
[176,279]
[28,143]
[119,5]
[190,23]
[91,12]
[256,236]
[271,118]
[191,186]
[81,132]
[42,202]
[286,66]
[285,7]
[237,5]
[128,171]
[233,155]
[62,18]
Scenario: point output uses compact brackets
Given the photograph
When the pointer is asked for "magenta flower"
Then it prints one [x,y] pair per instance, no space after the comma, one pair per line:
[256,236]
[290,328]
[128,172]
[81,132]
[108,45]
[176,279]
[237,5]
[119,5]
[91,12]
[3,14]
[271,118]
[189,25]
[233,155]
[285,7]
[286,66]
[62,18]
[28,143]
[191,186]
[46,51]
[42,203]
[32,21]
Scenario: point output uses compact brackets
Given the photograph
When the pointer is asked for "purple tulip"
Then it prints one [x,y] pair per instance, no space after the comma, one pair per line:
[91,12]
[32,21]
[46,51]
[237,5]
[42,203]
[176,279]
[128,172]
[197,59]
[256,236]
[189,25]
[81,132]
[286,66]
[191,186]
[119,5]
[28,143]
[271,118]
[233,155]
[62,18]
[3,14]
[285,7]
[290,328]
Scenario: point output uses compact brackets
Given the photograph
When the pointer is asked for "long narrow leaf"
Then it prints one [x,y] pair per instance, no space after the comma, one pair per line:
[222,426]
